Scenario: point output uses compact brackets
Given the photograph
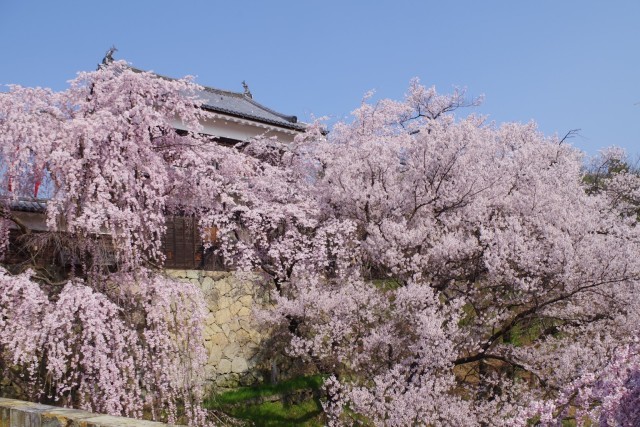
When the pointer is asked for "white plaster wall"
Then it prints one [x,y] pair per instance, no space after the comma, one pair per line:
[225,126]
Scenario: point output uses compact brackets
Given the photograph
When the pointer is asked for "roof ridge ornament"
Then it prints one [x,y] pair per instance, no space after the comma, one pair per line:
[108,57]
[247,92]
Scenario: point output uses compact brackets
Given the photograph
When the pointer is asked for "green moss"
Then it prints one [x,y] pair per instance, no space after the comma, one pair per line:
[468,315]
[523,334]
[386,284]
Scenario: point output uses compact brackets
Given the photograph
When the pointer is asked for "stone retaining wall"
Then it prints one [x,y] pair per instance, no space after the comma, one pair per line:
[231,337]
[17,413]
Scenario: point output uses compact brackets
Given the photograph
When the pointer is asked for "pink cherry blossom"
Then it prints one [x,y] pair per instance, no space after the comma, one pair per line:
[438,268]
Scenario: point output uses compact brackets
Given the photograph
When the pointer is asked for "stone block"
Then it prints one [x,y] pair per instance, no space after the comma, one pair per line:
[216,275]
[193,274]
[211,328]
[246,300]
[245,324]
[215,354]
[223,286]
[239,365]
[207,285]
[255,336]
[210,374]
[224,367]
[227,381]
[219,339]
[226,329]
[213,319]
[235,307]
[242,337]
[231,350]
[223,316]
[224,302]
[234,325]
[244,312]
[176,274]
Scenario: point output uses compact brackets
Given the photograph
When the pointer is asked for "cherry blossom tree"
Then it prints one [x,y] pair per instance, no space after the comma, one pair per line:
[468,270]
[112,334]
[616,176]
[610,397]
[114,154]
[83,350]
[439,269]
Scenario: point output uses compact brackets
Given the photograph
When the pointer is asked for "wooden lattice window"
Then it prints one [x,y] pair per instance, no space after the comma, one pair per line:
[183,246]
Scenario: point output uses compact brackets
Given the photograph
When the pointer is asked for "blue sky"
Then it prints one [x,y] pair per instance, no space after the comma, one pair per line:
[565,64]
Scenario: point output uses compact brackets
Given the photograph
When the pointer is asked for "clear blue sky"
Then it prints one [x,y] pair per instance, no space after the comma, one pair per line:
[566,64]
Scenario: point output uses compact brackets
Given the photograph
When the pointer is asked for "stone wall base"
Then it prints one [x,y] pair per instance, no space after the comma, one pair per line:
[231,336]
[18,413]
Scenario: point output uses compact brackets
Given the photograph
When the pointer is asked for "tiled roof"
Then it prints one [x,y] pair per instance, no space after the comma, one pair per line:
[28,205]
[242,105]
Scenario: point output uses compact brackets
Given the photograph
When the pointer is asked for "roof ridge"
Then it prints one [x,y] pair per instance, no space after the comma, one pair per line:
[211,89]
[223,91]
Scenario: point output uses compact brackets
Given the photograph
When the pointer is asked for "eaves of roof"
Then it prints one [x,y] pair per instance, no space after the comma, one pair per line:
[290,125]
[28,205]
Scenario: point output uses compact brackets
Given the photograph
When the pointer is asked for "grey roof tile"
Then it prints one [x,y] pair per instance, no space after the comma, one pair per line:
[241,105]
[28,205]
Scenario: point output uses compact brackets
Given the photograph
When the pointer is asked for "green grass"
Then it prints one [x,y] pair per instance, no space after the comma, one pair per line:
[244,403]
[281,414]
[266,390]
